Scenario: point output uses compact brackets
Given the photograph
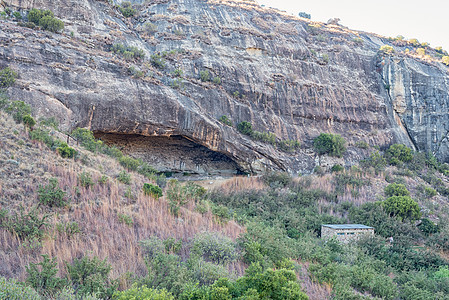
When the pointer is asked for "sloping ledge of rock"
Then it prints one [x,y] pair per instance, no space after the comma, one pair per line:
[265,67]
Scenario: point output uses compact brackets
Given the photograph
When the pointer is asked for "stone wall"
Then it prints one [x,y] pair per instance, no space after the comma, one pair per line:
[344,235]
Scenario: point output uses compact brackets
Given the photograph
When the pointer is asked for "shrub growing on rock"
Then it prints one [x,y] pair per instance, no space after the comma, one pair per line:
[398,154]
[328,143]
[7,77]
[245,128]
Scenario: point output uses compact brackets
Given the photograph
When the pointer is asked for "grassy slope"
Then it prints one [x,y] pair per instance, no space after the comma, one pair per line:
[26,164]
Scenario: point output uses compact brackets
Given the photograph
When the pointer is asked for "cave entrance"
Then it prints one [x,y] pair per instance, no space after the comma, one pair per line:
[174,154]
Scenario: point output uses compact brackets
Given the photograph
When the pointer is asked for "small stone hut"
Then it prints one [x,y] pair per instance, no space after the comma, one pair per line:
[345,232]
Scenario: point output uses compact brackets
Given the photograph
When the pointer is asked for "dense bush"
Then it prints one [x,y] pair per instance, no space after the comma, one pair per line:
[204,75]
[215,247]
[11,289]
[428,227]
[127,9]
[128,52]
[245,128]
[51,24]
[28,121]
[52,195]
[152,190]
[143,293]
[7,77]
[398,154]
[45,19]
[225,120]
[90,276]
[403,207]
[396,189]
[27,225]
[157,61]
[65,151]
[42,276]
[124,177]
[18,109]
[327,143]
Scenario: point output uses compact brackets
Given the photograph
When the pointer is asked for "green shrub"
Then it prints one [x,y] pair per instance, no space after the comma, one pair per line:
[124,177]
[143,293]
[398,154]
[206,273]
[44,136]
[395,189]
[52,195]
[362,145]
[376,161]
[28,121]
[204,75]
[65,151]
[277,179]
[85,179]
[90,276]
[129,162]
[27,225]
[429,192]
[221,212]
[7,77]
[69,229]
[225,120]
[125,219]
[428,227]
[289,145]
[131,52]
[157,61]
[35,15]
[216,80]
[152,190]
[127,10]
[266,137]
[86,138]
[327,143]
[45,19]
[18,109]
[337,168]
[51,24]
[42,276]
[402,207]
[245,128]
[11,289]
[17,15]
[215,247]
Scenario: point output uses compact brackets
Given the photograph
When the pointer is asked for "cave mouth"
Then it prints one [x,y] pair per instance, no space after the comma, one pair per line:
[173,154]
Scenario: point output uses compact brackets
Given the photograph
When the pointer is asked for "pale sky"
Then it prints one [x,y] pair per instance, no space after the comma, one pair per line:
[426,20]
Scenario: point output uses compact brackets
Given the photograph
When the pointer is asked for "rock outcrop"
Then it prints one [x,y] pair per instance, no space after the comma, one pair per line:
[285,75]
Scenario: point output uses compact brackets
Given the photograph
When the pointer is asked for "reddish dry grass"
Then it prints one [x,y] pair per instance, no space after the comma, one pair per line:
[314,290]
[95,209]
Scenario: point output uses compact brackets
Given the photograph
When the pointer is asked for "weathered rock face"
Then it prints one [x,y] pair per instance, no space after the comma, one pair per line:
[275,71]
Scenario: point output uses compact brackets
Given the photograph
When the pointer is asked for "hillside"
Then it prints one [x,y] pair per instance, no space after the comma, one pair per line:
[193,149]
[189,63]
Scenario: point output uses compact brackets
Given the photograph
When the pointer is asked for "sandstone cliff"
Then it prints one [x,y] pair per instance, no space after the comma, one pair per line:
[285,75]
